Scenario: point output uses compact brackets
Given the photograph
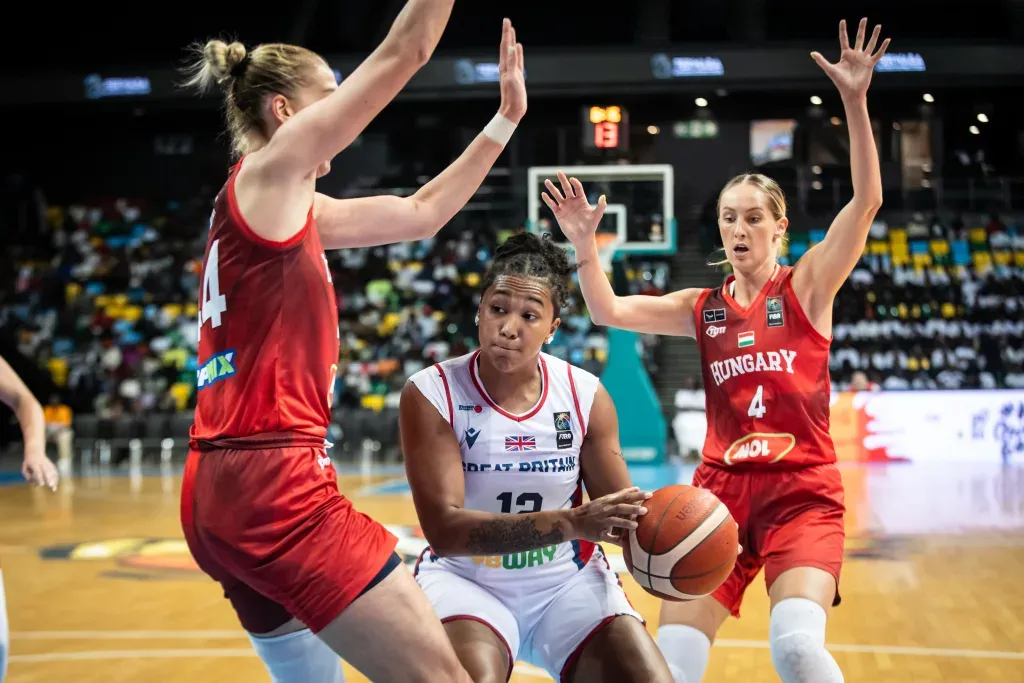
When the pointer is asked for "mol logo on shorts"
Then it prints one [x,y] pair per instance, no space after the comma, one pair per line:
[759,447]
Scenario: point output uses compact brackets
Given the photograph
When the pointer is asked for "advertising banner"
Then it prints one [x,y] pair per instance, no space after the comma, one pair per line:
[929,426]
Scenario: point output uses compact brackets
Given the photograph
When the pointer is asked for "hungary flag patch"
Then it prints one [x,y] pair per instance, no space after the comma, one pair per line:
[745,339]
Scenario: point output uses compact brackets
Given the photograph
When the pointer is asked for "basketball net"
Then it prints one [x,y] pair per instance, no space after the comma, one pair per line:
[607,244]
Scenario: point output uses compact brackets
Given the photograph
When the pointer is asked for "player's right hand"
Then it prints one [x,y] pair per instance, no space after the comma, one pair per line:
[511,79]
[600,519]
[576,217]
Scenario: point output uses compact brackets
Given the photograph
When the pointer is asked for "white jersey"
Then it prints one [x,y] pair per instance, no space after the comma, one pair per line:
[516,463]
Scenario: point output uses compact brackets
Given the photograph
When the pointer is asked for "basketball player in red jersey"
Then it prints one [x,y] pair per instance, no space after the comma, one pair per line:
[764,340]
[36,467]
[309,577]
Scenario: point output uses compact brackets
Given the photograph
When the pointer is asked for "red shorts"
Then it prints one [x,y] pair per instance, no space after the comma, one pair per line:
[787,519]
[272,528]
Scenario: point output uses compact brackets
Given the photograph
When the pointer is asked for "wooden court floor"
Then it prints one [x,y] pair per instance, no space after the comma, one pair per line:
[100,586]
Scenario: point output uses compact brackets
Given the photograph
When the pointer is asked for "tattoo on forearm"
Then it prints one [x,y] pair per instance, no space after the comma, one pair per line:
[502,536]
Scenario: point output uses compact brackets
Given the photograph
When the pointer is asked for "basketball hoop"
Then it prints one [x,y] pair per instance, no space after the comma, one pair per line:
[607,244]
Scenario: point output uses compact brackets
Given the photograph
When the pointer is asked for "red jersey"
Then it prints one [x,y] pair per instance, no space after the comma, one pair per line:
[268,332]
[766,379]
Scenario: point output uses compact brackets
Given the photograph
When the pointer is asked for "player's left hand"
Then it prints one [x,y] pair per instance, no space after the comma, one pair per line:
[510,74]
[40,470]
[576,217]
[852,74]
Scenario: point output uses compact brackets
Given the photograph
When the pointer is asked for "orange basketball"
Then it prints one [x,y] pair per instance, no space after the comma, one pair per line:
[684,547]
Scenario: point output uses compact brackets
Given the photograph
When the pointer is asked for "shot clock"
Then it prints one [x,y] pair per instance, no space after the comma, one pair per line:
[605,128]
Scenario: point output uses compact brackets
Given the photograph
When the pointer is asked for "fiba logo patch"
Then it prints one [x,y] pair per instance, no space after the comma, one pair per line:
[563,430]
[713,331]
[774,308]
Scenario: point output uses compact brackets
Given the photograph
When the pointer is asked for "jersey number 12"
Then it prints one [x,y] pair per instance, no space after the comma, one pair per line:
[533,500]
[212,302]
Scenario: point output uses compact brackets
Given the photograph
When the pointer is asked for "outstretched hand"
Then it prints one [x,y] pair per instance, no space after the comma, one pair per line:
[510,74]
[576,217]
[852,73]
[39,469]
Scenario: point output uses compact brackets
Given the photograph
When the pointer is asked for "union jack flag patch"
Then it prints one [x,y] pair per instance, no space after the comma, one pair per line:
[520,443]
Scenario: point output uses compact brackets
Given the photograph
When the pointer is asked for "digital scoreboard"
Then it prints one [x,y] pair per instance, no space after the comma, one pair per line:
[605,128]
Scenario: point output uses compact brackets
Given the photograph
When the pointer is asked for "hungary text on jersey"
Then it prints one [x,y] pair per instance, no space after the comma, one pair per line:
[766,379]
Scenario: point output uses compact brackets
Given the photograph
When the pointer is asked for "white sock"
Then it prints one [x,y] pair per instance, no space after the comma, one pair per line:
[686,650]
[5,636]
[797,639]
[298,657]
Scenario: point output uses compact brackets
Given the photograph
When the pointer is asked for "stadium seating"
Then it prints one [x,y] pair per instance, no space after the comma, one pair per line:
[107,306]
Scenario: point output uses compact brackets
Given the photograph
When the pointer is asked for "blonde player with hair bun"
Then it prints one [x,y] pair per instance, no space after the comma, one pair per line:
[310,577]
[764,339]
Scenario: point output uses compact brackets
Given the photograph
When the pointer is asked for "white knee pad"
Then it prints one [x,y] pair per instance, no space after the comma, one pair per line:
[686,651]
[298,657]
[797,640]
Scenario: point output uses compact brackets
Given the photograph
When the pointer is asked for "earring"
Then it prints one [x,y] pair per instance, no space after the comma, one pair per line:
[476,320]
[551,339]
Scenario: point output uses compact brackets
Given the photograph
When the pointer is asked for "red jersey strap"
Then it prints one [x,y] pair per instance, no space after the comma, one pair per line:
[576,402]
[247,231]
[698,319]
[801,315]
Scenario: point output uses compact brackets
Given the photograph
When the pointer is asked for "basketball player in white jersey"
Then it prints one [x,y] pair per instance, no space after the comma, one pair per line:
[36,468]
[498,445]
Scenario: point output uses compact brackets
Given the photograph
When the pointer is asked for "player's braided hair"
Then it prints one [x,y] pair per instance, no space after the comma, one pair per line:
[529,255]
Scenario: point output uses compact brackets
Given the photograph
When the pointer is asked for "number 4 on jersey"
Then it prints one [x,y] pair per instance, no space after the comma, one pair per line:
[213,302]
[757,409]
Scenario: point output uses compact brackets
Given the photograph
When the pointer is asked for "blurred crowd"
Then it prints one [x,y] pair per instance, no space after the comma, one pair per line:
[934,306]
[105,300]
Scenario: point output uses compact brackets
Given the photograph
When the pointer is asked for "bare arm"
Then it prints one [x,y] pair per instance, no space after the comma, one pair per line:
[20,400]
[604,467]
[322,130]
[433,465]
[386,219]
[369,221]
[820,273]
[36,468]
[671,314]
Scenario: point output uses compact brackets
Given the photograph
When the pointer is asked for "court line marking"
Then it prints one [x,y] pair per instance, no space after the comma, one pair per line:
[129,635]
[230,635]
[886,650]
[522,669]
[383,487]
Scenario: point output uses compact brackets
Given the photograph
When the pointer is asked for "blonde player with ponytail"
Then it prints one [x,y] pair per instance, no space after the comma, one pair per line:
[764,339]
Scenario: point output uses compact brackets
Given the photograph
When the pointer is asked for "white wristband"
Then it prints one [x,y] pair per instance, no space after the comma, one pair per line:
[500,129]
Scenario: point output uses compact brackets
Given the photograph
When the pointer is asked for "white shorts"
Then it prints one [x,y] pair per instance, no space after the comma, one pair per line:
[543,626]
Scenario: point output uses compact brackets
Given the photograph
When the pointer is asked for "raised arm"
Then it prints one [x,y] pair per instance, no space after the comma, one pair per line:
[36,468]
[370,221]
[433,465]
[671,314]
[820,273]
[322,130]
